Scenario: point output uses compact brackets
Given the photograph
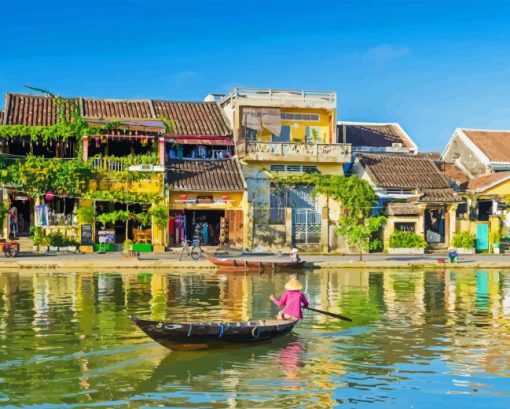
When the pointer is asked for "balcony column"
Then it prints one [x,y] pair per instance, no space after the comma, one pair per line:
[85,147]
[161,150]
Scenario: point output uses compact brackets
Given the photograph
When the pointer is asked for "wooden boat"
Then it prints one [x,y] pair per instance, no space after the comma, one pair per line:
[208,335]
[254,265]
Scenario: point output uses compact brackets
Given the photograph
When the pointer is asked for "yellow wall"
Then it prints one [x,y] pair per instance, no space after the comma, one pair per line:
[154,185]
[235,201]
[500,190]
[298,128]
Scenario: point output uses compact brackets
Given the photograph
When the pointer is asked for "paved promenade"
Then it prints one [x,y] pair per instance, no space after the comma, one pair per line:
[102,262]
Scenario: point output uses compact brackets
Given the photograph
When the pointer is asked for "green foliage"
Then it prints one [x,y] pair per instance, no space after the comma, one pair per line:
[407,240]
[38,238]
[160,214]
[113,217]
[128,245]
[464,240]
[86,214]
[495,237]
[60,240]
[359,232]
[3,212]
[144,219]
[123,197]
[37,175]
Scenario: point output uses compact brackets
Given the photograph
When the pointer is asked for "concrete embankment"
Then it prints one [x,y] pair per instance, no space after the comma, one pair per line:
[114,261]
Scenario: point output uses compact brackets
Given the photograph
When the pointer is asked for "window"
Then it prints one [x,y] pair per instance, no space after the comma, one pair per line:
[297,116]
[284,135]
[294,168]
[251,135]
[313,134]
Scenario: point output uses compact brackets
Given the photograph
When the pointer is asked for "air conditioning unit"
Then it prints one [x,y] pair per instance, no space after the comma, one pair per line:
[146,168]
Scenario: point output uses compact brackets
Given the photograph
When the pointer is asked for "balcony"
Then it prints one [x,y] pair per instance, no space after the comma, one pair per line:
[295,152]
[276,97]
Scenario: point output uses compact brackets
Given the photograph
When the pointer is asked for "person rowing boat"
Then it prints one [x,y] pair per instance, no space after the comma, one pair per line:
[292,300]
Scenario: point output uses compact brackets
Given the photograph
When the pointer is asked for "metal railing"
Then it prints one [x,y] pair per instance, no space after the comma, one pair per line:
[108,165]
[312,149]
[279,94]
[306,216]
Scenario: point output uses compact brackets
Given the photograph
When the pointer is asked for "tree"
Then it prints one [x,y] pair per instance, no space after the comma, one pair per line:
[356,198]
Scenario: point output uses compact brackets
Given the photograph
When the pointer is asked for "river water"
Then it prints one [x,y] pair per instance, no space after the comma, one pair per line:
[418,340]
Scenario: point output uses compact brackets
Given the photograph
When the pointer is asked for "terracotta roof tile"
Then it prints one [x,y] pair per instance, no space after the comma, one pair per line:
[23,109]
[403,171]
[373,135]
[190,118]
[206,175]
[482,183]
[439,195]
[494,144]
[117,108]
[454,173]
[194,118]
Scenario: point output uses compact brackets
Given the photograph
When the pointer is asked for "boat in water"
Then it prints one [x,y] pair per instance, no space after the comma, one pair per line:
[208,335]
[237,264]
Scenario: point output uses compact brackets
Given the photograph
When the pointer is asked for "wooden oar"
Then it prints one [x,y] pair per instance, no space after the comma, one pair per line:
[330,314]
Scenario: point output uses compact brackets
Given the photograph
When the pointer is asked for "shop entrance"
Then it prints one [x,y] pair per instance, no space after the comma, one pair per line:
[20,215]
[203,225]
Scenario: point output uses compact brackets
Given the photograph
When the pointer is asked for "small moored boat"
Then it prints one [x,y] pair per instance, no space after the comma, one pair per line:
[206,335]
[254,265]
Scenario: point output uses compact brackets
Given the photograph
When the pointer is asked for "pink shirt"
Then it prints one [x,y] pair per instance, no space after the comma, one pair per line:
[292,300]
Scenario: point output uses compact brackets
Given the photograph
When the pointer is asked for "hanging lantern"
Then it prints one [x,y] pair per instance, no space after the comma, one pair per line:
[49,196]
[184,197]
[225,198]
[104,139]
[97,142]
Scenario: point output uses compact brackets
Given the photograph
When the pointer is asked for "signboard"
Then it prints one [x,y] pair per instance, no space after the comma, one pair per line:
[86,235]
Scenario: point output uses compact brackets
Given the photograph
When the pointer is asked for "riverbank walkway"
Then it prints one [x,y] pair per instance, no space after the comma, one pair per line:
[102,262]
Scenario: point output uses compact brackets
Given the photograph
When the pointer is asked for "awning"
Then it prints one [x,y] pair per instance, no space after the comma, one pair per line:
[200,140]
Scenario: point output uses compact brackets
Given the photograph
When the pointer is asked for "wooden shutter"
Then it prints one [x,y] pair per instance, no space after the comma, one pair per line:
[235,227]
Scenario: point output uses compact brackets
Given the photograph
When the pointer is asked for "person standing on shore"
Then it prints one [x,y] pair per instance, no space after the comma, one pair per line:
[292,300]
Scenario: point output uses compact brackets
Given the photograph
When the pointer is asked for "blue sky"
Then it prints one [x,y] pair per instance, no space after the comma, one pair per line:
[432,66]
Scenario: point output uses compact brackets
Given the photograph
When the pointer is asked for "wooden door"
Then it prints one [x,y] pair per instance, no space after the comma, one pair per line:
[235,227]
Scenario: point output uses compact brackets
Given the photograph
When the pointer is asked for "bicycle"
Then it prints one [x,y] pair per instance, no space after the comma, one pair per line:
[191,249]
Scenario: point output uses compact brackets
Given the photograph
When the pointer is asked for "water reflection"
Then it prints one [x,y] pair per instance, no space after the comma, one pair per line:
[418,339]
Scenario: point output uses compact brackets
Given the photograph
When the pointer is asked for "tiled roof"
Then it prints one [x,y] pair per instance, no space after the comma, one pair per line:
[23,109]
[403,171]
[494,144]
[373,135]
[438,195]
[190,118]
[484,182]
[206,175]
[117,108]
[454,174]
[194,118]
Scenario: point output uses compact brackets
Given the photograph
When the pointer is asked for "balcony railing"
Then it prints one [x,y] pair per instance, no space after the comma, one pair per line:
[280,94]
[293,151]
[108,165]
[144,163]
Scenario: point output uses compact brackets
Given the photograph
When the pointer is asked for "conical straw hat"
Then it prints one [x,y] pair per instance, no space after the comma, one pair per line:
[293,284]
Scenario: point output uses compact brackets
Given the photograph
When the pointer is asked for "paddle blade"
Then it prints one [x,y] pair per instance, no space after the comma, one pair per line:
[330,314]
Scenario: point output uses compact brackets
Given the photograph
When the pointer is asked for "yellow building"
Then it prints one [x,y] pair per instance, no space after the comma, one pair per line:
[278,133]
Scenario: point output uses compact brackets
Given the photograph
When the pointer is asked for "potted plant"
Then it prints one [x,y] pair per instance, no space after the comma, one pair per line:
[144,220]
[56,241]
[159,215]
[464,242]
[406,242]
[495,239]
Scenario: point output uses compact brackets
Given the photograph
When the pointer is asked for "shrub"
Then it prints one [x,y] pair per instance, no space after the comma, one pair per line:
[56,239]
[128,245]
[407,240]
[464,240]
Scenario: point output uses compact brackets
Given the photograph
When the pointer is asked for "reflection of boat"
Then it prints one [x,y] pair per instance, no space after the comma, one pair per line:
[200,335]
[253,265]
